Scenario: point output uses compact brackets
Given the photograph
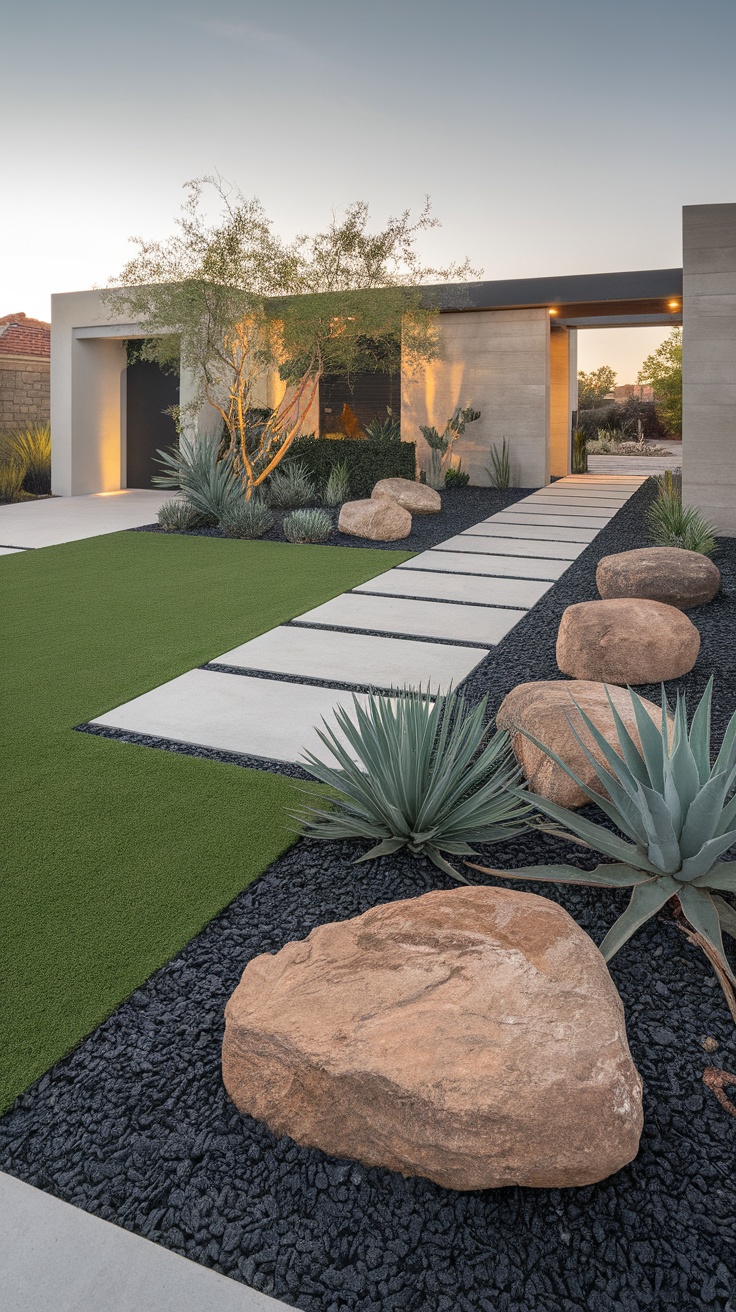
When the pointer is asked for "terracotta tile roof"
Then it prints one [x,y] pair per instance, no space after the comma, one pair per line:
[20,335]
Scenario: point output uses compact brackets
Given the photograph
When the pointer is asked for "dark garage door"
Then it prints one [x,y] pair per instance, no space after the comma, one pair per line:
[150,392]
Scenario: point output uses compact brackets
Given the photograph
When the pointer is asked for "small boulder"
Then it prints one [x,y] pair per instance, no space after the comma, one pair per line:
[668,574]
[626,640]
[547,710]
[381,519]
[414,497]
[474,1037]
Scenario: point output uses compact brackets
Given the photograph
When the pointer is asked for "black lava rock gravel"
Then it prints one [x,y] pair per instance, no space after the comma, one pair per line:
[136,1127]
[461,508]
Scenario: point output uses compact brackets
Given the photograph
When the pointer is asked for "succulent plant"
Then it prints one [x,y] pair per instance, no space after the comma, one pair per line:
[291,487]
[337,488]
[179,516]
[674,808]
[417,772]
[247,519]
[307,526]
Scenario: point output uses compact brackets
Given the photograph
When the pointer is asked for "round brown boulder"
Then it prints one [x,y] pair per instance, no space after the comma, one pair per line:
[414,497]
[474,1037]
[547,710]
[626,640]
[381,519]
[668,574]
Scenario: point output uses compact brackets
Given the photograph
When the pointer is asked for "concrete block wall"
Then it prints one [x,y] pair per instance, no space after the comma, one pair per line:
[24,391]
[709,363]
[498,361]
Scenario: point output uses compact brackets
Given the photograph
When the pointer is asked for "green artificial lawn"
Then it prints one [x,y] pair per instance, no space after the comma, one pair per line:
[115,855]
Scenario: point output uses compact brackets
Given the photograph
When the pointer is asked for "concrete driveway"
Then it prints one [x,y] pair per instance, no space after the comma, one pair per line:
[68,519]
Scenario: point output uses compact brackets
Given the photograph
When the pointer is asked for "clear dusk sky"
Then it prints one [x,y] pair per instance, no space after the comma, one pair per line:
[553,136]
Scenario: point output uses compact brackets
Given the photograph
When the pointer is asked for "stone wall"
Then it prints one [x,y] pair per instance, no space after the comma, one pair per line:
[498,362]
[709,363]
[24,392]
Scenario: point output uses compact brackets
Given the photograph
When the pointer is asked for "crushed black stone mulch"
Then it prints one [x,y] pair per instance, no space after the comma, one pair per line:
[135,1125]
[461,508]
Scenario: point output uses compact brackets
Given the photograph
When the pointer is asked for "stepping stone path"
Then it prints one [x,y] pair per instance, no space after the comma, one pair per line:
[427,622]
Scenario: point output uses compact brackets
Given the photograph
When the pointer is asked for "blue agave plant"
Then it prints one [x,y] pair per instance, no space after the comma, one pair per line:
[673,806]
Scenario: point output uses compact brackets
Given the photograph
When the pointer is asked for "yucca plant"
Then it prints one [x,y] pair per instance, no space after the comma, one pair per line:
[32,448]
[247,519]
[178,516]
[291,487]
[307,526]
[441,444]
[209,484]
[337,488]
[674,807]
[12,473]
[417,772]
[499,470]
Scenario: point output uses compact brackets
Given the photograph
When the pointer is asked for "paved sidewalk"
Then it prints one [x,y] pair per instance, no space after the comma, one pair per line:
[57,1258]
[428,622]
[55,520]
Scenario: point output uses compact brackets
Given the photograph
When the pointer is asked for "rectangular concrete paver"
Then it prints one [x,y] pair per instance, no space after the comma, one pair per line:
[533,509]
[523,593]
[10,551]
[484,625]
[457,562]
[233,713]
[355,658]
[57,1258]
[497,546]
[68,519]
[557,520]
[546,532]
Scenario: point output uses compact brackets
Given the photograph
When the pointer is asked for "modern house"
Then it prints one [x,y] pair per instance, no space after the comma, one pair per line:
[508,348]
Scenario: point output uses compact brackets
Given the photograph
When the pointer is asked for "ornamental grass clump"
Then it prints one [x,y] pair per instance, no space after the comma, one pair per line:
[674,807]
[12,473]
[671,524]
[337,488]
[418,772]
[292,487]
[177,516]
[307,526]
[247,519]
[32,448]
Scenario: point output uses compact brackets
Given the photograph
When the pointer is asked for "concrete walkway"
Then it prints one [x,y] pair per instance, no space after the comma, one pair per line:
[50,522]
[427,622]
[57,1258]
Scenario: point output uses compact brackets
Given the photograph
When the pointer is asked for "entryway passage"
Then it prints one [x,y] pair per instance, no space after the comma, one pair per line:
[427,622]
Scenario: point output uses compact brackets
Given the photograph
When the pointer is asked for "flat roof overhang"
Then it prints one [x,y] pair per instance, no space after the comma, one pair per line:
[591,300]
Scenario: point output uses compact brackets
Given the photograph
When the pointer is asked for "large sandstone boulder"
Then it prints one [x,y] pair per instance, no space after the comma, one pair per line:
[669,574]
[414,497]
[547,710]
[626,640]
[474,1037]
[381,519]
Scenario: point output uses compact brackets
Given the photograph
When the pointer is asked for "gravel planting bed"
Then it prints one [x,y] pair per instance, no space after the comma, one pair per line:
[461,508]
[135,1125]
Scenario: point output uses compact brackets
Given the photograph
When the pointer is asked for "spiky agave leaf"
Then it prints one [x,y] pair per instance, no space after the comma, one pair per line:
[667,798]
[416,771]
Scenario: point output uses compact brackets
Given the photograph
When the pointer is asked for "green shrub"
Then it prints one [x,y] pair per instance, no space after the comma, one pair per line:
[579,452]
[248,519]
[457,477]
[417,772]
[367,460]
[307,526]
[32,447]
[337,489]
[671,804]
[178,516]
[671,524]
[499,470]
[210,485]
[12,473]
[291,486]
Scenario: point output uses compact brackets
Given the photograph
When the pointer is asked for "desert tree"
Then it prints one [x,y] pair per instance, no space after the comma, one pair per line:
[228,301]
[663,370]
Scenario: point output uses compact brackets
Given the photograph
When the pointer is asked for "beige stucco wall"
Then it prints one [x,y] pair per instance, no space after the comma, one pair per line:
[709,362]
[498,362]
